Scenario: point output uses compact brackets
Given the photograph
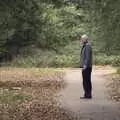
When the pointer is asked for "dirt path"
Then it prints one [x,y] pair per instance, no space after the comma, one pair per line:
[100,107]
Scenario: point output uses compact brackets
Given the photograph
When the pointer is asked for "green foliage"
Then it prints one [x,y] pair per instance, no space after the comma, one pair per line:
[104,21]
[46,61]
[104,59]
[118,70]
[53,26]
[19,23]
[46,24]
[68,56]
[10,97]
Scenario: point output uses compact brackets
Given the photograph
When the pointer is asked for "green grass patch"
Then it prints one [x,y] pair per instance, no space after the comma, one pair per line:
[107,60]
[8,96]
[118,70]
[68,56]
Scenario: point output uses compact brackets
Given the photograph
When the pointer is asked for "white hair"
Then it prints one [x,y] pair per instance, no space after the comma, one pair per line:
[84,37]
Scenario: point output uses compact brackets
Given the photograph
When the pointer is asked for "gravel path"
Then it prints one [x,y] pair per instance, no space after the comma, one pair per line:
[101,107]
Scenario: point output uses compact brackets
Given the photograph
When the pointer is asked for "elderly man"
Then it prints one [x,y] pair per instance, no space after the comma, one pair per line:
[86,65]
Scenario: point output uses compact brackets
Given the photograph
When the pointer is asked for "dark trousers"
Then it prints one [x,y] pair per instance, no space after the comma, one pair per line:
[87,85]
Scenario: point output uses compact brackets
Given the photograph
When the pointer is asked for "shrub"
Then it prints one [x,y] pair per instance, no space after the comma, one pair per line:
[107,60]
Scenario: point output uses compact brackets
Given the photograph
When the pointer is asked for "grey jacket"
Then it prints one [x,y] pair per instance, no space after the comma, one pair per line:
[86,56]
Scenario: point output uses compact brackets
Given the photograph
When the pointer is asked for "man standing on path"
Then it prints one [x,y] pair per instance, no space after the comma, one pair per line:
[86,65]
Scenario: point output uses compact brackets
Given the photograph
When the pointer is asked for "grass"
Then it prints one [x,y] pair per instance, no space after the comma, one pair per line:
[118,70]
[15,81]
[66,57]
[10,97]
[29,93]
[103,59]
[69,56]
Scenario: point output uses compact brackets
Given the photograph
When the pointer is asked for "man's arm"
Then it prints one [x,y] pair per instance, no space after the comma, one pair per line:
[87,56]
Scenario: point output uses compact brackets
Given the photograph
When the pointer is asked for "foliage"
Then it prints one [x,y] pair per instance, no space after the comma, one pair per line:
[118,70]
[45,33]
[104,19]
[46,24]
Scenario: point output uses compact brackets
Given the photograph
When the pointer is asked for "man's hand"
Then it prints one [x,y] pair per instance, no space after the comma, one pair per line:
[84,67]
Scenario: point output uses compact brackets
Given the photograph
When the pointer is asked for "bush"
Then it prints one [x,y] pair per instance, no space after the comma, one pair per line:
[118,70]
[107,60]
[44,58]
[68,56]
[116,61]
[46,61]
[103,60]
[65,61]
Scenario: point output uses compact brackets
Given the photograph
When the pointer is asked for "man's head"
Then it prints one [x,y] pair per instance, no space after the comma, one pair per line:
[84,38]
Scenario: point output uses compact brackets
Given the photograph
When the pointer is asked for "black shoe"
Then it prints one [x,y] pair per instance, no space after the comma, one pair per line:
[85,97]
